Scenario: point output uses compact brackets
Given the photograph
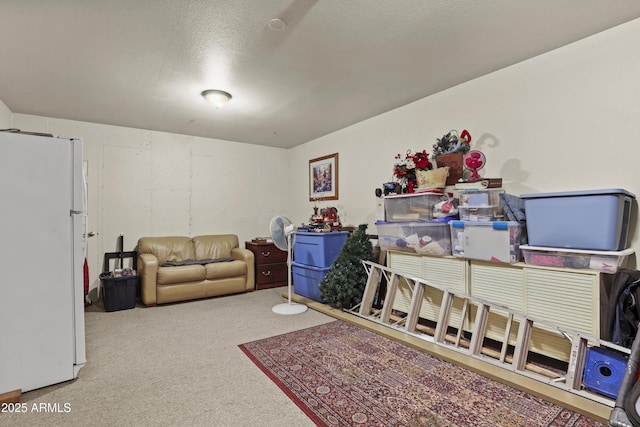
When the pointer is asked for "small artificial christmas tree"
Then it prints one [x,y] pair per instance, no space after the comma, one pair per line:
[344,283]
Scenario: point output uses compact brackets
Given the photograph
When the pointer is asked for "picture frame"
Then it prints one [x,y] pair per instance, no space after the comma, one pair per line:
[323,178]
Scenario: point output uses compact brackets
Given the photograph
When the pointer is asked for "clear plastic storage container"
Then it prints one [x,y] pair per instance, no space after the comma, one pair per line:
[605,261]
[426,238]
[480,196]
[497,241]
[411,207]
[477,213]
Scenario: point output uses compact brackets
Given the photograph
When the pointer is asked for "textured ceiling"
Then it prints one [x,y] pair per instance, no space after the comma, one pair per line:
[143,63]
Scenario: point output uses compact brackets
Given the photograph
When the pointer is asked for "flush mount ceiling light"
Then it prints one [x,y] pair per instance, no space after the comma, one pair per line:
[277,24]
[217,98]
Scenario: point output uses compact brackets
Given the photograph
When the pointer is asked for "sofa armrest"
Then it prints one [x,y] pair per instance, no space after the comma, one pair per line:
[247,256]
[148,271]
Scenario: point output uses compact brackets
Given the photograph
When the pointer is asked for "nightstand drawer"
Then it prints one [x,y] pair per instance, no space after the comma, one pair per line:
[270,273]
[269,254]
[270,265]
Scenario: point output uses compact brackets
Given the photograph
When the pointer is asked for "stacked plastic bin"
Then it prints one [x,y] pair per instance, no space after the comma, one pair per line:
[583,230]
[313,254]
[482,233]
[580,229]
[410,226]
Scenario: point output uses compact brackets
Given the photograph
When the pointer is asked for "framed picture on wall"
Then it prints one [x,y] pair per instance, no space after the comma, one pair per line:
[323,178]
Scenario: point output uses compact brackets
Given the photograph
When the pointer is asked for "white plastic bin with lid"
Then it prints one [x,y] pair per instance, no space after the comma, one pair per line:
[592,220]
[497,241]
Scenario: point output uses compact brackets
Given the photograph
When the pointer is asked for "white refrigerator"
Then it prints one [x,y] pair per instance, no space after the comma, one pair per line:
[42,217]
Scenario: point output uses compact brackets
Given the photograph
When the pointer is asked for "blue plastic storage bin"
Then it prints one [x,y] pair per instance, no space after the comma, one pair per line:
[593,220]
[604,370]
[306,280]
[318,249]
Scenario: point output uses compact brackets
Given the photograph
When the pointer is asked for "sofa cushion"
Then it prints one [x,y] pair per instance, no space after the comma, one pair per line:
[195,261]
[214,246]
[181,274]
[171,248]
[223,270]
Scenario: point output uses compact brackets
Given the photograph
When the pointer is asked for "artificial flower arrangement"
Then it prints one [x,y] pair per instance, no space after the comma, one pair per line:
[452,143]
[448,152]
[404,170]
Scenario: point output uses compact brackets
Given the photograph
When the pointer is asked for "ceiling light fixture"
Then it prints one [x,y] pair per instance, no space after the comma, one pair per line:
[217,98]
[277,24]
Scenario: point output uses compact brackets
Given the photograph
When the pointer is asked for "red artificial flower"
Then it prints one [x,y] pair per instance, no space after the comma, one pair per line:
[421,160]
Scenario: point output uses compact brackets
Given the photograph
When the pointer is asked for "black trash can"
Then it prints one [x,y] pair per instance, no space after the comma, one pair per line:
[119,292]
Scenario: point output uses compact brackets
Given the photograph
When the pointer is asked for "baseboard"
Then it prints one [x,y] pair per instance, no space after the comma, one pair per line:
[11,396]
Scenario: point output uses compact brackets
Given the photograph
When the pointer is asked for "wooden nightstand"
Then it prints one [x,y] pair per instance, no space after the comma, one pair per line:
[270,265]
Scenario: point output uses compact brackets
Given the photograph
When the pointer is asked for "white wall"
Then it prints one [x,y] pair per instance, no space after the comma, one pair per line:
[6,118]
[146,183]
[566,120]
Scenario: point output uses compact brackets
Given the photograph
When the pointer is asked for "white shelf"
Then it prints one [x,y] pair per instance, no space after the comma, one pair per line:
[562,296]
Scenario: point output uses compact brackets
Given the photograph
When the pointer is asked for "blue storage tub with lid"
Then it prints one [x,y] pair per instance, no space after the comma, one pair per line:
[593,220]
[318,249]
[306,280]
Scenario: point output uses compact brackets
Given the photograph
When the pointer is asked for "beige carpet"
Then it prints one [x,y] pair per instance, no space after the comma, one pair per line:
[175,365]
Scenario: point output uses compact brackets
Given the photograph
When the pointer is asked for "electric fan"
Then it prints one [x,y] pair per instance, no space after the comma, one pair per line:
[474,160]
[282,232]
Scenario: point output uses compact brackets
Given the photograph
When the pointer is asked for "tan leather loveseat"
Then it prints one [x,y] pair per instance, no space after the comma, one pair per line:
[178,268]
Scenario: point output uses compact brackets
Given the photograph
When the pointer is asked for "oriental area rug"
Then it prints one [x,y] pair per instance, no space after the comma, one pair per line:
[342,375]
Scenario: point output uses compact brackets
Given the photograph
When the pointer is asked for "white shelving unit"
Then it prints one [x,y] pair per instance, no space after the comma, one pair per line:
[478,320]
[566,297]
